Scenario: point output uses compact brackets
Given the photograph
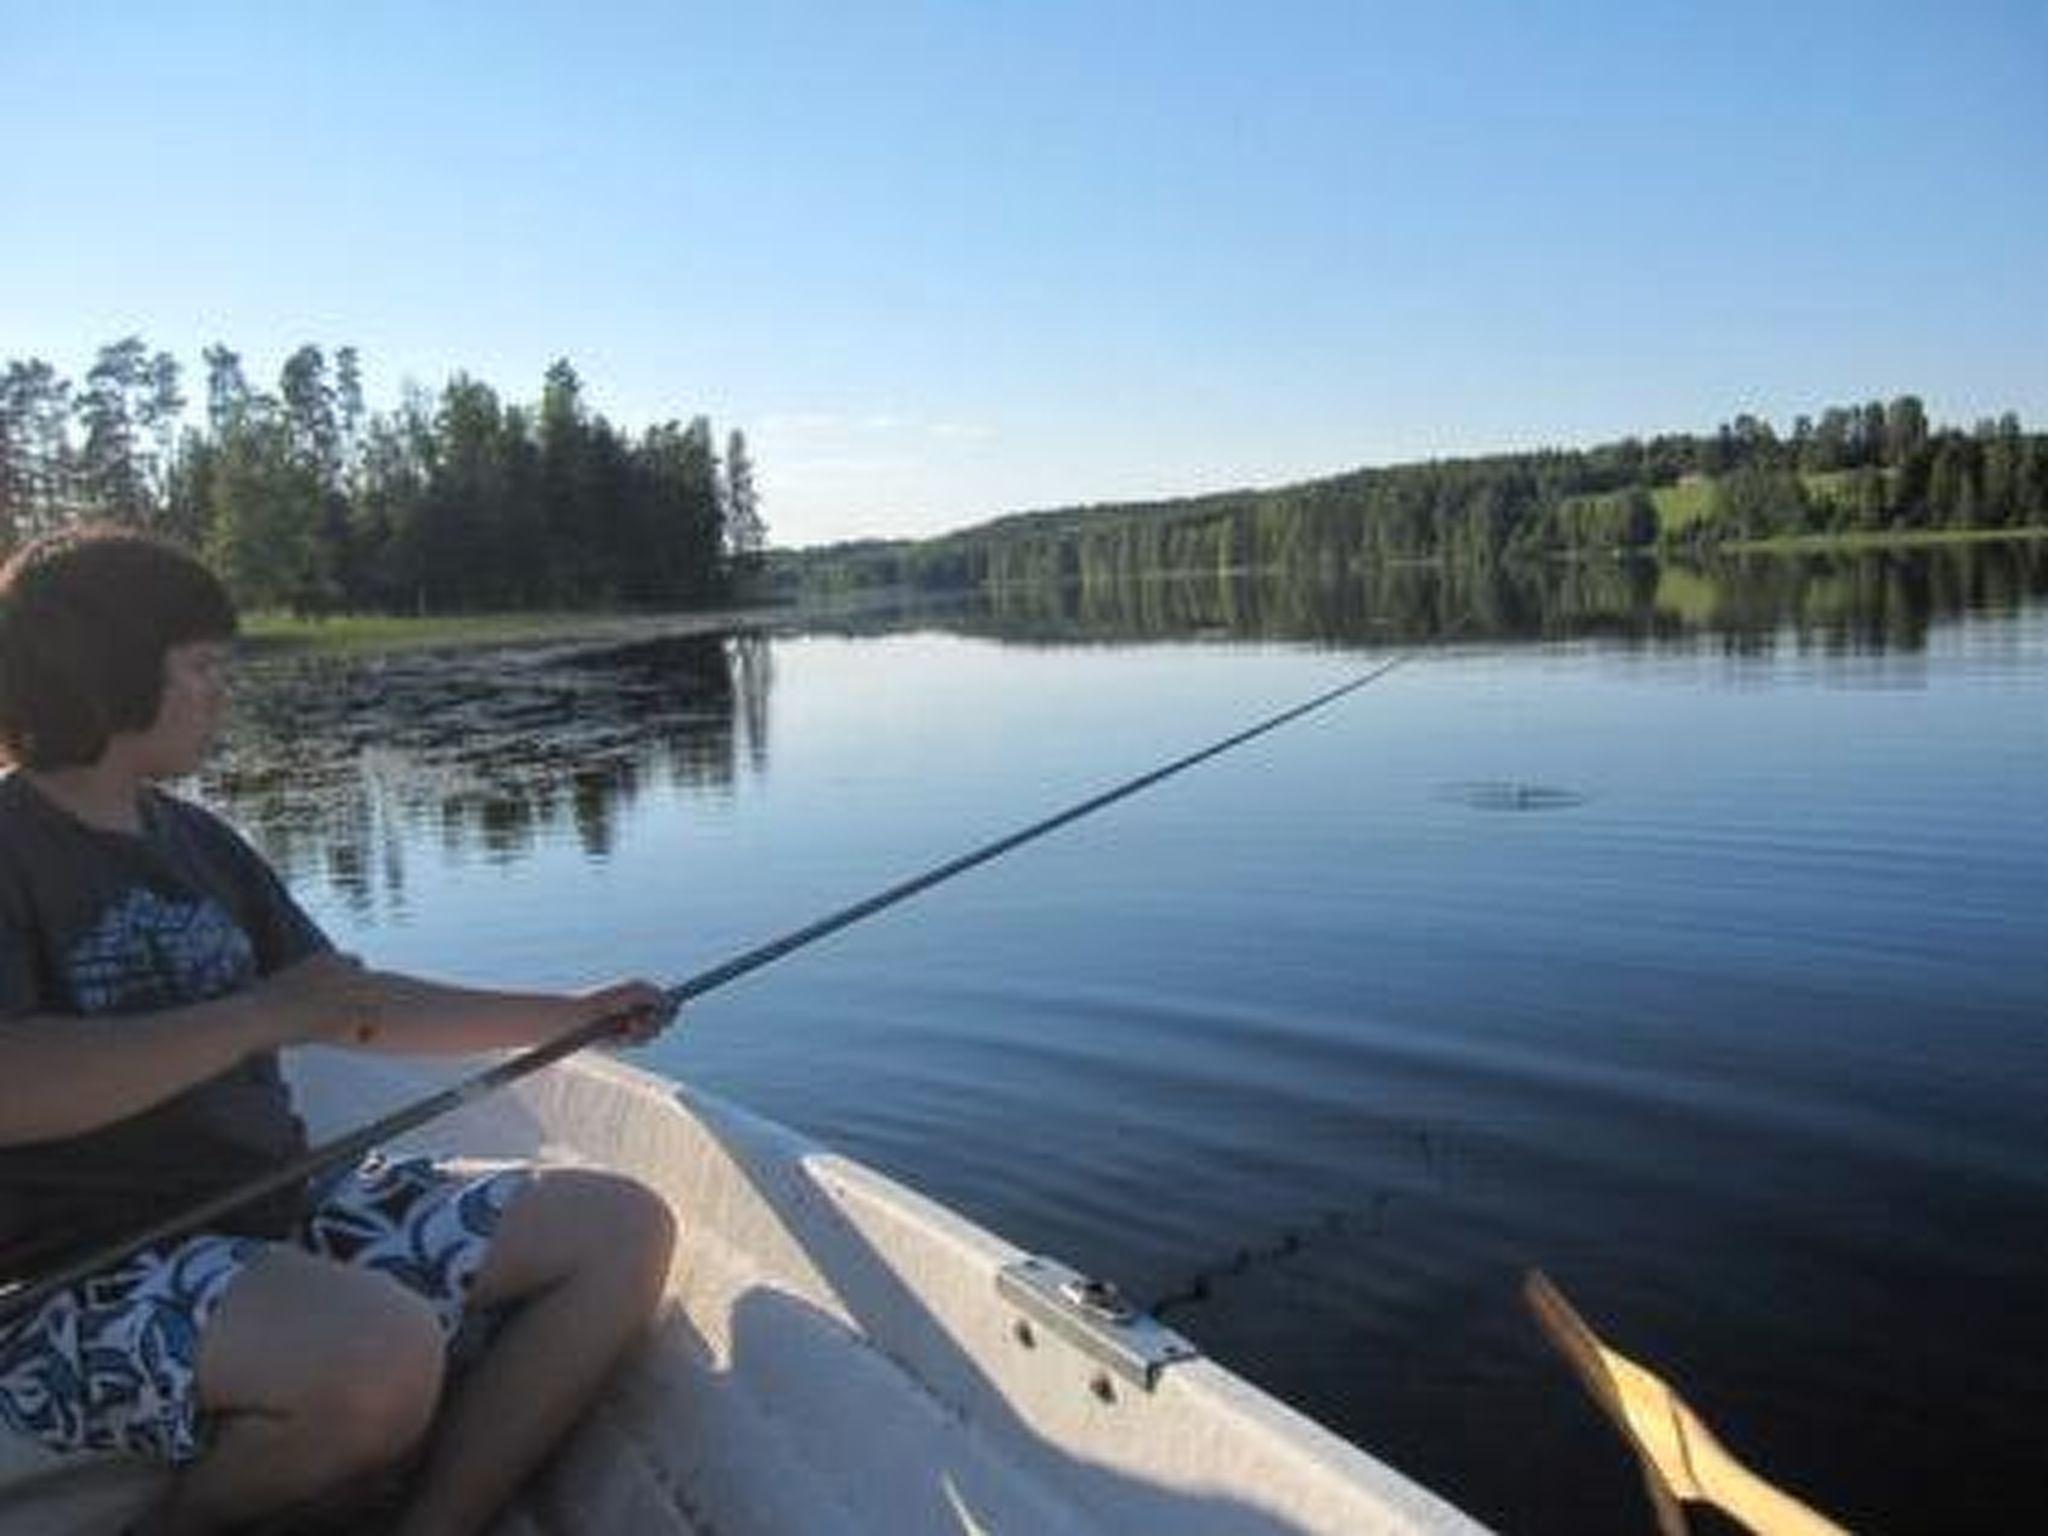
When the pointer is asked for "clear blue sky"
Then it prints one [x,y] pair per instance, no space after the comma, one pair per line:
[941,261]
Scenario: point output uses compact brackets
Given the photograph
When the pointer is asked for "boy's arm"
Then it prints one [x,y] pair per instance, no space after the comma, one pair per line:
[410,1015]
[63,1076]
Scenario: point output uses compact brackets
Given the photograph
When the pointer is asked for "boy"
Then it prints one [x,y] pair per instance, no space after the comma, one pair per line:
[151,966]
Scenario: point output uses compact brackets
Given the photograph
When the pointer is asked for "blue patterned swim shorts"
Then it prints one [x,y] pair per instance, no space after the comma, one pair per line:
[111,1364]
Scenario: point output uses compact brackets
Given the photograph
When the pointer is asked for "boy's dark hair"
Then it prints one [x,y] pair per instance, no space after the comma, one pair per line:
[86,617]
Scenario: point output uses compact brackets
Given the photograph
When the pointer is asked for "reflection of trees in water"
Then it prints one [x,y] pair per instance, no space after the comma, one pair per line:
[753,678]
[1865,600]
[333,763]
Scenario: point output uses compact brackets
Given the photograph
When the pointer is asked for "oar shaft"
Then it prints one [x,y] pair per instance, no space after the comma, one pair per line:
[22,1297]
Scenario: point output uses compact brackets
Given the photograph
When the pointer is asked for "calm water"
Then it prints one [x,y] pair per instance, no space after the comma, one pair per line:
[1688,939]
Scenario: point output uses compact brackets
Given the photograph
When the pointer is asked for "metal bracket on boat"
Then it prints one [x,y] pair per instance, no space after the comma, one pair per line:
[1093,1316]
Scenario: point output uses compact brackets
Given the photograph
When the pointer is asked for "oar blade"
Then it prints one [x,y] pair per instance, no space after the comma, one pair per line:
[1592,1362]
[1681,1458]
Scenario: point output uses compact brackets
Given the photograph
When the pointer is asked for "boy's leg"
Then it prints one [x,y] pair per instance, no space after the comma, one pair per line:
[314,1373]
[585,1254]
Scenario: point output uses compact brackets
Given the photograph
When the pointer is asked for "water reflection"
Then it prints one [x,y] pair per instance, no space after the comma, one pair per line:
[337,763]
[1863,601]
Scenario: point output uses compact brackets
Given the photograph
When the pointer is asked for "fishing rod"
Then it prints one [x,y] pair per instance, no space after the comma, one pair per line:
[20,1297]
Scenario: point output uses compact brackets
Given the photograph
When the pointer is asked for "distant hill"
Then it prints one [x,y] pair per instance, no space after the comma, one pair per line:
[1872,468]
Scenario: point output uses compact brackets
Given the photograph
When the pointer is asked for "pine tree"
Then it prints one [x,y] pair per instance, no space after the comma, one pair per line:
[348,407]
[33,408]
[129,407]
[227,391]
[563,447]
[309,414]
[1905,429]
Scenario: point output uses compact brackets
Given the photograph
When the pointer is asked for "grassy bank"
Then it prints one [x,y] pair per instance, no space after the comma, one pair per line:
[1680,506]
[391,632]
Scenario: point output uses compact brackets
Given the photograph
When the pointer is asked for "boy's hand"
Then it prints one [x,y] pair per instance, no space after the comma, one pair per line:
[646,1008]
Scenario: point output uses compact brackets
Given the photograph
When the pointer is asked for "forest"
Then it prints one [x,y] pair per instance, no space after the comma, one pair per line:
[305,500]
[1874,468]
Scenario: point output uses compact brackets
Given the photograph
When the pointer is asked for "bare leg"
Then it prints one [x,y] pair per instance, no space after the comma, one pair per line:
[317,1373]
[586,1255]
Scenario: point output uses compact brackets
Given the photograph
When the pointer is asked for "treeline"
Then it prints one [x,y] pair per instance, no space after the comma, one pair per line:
[1873,467]
[302,498]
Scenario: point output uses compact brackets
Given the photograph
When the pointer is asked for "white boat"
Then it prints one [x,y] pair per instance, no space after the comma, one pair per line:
[837,1354]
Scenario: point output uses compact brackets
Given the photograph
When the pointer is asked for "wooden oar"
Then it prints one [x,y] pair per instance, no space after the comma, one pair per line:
[1682,1461]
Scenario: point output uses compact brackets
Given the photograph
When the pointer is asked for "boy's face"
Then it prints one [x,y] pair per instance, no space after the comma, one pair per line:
[192,710]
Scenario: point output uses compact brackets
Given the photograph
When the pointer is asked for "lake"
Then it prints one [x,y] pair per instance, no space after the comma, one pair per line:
[1682,931]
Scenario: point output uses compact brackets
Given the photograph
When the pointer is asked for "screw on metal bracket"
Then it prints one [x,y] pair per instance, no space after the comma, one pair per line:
[1093,1317]
[1098,1298]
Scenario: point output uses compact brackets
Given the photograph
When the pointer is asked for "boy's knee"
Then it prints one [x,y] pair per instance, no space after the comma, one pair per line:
[597,1230]
[378,1395]
[640,1231]
[649,1224]
[632,1229]
[645,1228]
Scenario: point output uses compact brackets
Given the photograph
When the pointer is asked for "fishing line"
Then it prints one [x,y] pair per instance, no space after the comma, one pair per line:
[17,1298]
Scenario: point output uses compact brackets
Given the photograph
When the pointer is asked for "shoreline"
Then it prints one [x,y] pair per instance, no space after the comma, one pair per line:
[270,633]
[276,634]
[1901,538]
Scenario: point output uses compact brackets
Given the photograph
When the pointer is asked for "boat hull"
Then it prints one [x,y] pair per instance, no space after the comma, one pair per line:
[836,1353]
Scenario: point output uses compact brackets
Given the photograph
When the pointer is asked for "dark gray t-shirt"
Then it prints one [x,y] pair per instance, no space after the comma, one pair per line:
[96,922]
